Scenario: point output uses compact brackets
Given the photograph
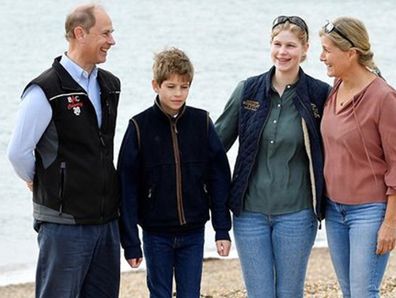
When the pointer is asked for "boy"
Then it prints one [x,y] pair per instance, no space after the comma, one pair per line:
[173,169]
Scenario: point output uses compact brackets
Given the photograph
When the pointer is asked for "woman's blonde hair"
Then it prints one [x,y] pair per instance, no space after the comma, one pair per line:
[356,32]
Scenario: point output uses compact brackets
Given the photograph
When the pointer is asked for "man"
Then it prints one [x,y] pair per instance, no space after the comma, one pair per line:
[63,148]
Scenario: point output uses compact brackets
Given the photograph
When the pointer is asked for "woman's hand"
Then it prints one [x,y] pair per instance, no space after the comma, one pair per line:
[386,239]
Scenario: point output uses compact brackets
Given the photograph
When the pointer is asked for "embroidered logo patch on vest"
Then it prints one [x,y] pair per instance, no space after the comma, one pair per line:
[74,104]
[251,105]
[315,110]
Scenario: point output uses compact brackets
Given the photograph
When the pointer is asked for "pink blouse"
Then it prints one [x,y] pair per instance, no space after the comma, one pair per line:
[360,145]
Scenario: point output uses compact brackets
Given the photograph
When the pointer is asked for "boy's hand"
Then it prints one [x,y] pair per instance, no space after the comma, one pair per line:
[135,263]
[223,247]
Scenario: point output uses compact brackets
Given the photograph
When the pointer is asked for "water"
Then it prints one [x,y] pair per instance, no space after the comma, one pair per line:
[226,40]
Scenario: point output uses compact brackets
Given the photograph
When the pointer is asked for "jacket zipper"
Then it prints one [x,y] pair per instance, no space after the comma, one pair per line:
[62,185]
[104,173]
[103,145]
[179,197]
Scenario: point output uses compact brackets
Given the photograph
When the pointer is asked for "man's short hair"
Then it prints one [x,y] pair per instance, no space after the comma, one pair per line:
[83,16]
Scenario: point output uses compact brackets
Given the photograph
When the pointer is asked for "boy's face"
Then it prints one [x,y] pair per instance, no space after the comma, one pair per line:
[172,93]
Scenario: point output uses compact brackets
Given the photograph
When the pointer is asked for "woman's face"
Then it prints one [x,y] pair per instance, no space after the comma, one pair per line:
[287,51]
[337,61]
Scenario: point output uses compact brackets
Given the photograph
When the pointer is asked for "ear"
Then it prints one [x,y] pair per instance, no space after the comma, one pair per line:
[155,86]
[306,47]
[353,54]
[79,32]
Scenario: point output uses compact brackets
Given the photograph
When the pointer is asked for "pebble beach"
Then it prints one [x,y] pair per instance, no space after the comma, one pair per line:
[222,278]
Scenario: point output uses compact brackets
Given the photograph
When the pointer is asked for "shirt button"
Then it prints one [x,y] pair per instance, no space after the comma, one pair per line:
[272,142]
[288,86]
[274,121]
[279,105]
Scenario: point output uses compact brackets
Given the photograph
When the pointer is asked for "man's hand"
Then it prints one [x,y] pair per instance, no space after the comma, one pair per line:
[30,185]
[223,247]
[135,263]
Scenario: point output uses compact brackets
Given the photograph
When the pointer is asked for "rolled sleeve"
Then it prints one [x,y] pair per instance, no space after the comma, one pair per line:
[387,130]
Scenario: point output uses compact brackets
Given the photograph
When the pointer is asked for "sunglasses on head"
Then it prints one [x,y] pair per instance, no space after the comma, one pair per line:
[291,19]
[330,27]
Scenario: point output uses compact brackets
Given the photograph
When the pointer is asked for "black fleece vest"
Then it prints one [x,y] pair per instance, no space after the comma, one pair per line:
[75,180]
[172,201]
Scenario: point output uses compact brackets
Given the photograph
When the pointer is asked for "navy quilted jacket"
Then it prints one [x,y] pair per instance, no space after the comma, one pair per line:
[310,97]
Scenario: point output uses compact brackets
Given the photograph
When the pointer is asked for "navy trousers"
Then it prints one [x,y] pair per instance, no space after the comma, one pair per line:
[78,261]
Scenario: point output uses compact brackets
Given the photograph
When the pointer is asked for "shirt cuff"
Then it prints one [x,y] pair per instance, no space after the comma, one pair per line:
[222,235]
[133,252]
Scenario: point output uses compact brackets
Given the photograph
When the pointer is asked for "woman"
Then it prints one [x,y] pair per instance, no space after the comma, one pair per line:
[359,137]
[277,182]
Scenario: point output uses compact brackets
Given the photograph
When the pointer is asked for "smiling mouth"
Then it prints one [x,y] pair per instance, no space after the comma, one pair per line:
[283,60]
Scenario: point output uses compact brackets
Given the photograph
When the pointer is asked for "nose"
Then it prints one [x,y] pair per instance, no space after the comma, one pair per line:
[322,57]
[282,49]
[178,91]
[111,39]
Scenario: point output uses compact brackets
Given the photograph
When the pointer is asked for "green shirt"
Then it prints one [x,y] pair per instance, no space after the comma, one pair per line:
[279,182]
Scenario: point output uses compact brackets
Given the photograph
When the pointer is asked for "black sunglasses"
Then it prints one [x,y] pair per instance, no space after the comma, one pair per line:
[330,27]
[291,19]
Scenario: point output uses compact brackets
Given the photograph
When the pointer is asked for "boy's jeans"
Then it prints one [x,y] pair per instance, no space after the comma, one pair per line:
[182,254]
[78,260]
[274,252]
[352,238]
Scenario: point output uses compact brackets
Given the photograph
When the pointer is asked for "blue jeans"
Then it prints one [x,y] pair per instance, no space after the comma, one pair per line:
[78,260]
[274,251]
[352,238]
[182,254]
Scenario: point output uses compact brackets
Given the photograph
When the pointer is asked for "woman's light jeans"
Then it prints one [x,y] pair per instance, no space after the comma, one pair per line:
[274,252]
[352,238]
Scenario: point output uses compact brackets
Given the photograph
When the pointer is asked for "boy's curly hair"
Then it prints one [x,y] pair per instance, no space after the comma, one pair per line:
[169,62]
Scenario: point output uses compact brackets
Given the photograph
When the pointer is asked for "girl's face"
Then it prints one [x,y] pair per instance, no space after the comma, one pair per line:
[336,60]
[287,51]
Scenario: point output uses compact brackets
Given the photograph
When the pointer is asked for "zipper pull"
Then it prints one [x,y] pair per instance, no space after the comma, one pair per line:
[61,189]
[101,139]
[175,127]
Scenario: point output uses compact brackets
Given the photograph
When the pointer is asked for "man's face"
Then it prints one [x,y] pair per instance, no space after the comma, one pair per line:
[98,40]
